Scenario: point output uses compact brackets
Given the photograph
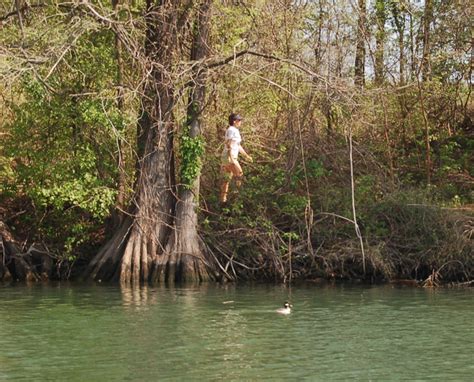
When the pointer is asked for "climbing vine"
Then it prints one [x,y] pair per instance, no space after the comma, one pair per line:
[190,153]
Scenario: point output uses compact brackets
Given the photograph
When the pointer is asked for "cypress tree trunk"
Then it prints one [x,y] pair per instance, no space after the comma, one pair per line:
[140,249]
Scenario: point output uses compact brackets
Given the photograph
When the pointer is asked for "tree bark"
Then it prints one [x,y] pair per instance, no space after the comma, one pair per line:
[427,18]
[399,20]
[318,49]
[117,213]
[380,13]
[360,48]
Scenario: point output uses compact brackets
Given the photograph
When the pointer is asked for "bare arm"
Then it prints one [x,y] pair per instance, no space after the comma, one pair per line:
[244,153]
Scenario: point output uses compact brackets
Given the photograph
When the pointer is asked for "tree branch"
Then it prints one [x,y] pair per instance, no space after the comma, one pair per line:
[21,10]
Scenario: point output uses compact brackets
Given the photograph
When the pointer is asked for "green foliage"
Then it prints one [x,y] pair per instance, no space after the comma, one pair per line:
[60,149]
[80,234]
[292,205]
[227,32]
[316,169]
[190,156]
[62,169]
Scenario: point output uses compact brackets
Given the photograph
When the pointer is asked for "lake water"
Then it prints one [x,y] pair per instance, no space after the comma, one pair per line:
[68,332]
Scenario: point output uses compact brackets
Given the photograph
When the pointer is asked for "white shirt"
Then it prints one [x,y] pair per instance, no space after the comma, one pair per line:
[233,135]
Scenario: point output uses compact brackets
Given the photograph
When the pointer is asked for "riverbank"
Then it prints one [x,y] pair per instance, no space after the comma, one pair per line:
[400,240]
[411,245]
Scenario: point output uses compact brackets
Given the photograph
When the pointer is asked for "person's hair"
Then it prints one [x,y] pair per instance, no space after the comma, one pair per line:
[234,117]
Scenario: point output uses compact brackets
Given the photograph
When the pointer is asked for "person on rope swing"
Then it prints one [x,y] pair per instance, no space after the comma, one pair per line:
[230,166]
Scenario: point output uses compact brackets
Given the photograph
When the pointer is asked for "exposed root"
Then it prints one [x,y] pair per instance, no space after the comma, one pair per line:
[15,263]
[433,280]
[184,254]
[136,253]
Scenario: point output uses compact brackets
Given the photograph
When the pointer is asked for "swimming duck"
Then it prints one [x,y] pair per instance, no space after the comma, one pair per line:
[286,308]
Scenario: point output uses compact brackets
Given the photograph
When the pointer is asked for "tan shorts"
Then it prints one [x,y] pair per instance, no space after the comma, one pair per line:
[231,169]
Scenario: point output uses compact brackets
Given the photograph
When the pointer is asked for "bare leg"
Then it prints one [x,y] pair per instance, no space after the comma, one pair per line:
[230,171]
[237,173]
[224,191]
[238,181]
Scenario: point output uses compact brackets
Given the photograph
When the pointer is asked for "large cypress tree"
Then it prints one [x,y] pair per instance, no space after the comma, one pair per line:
[159,240]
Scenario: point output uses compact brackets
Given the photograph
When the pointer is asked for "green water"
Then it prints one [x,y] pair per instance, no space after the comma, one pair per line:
[65,332]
